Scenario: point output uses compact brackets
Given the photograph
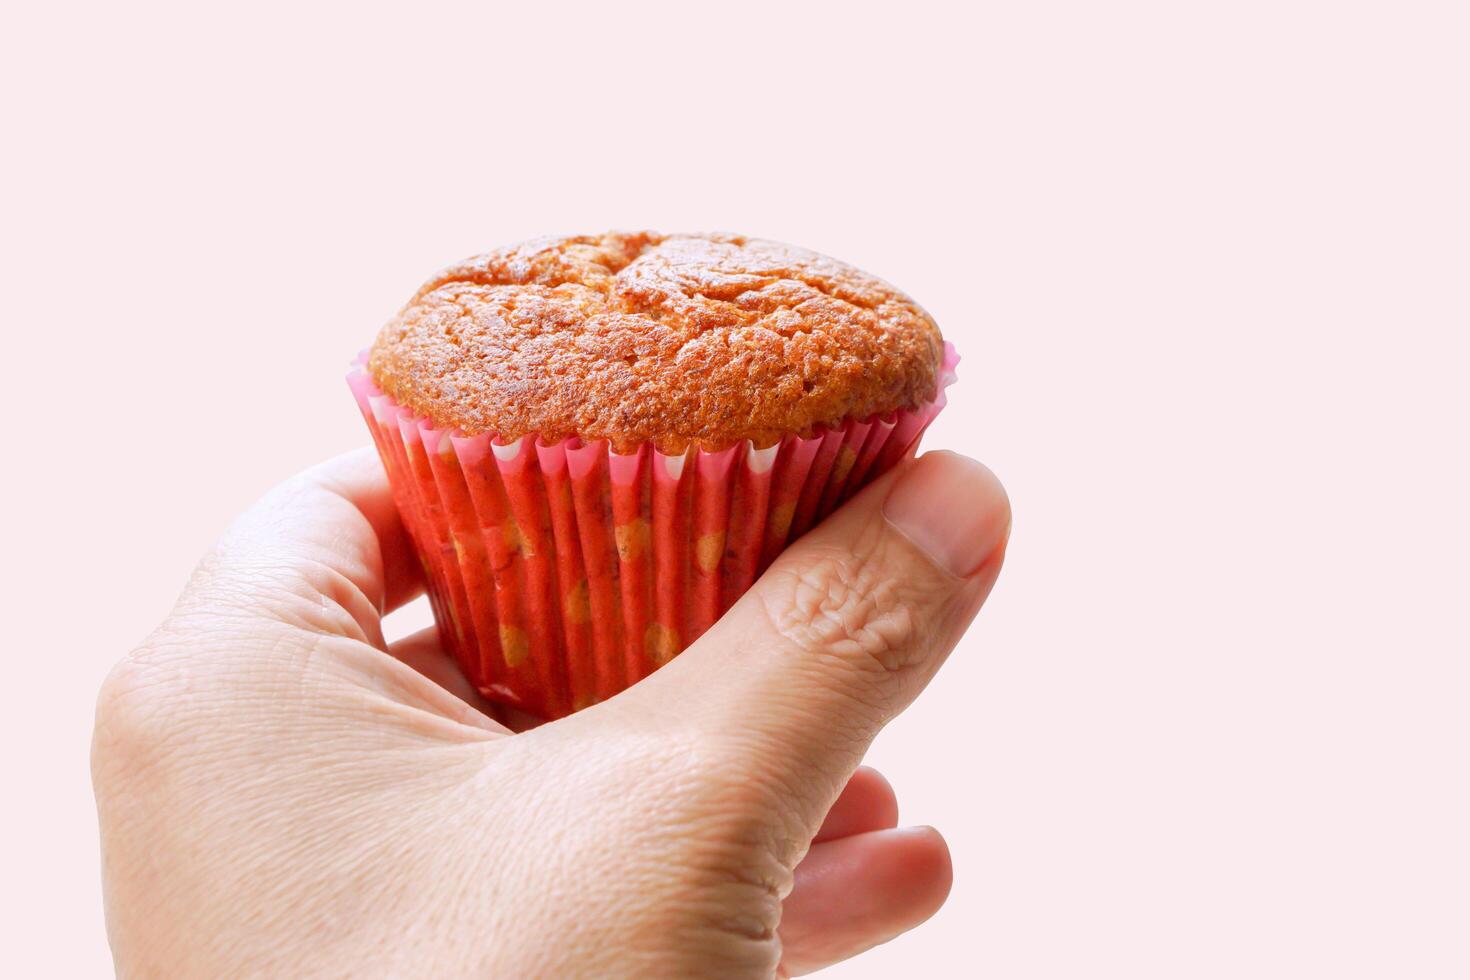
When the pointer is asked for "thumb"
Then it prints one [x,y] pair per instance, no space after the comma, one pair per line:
[843,630]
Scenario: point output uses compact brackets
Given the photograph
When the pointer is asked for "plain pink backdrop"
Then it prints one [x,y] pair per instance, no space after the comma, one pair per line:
[1207,266]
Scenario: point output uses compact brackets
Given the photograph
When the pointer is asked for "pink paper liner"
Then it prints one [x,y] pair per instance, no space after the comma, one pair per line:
[561,574]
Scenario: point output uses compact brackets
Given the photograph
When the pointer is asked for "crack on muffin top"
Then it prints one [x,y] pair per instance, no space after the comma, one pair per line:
[678,340]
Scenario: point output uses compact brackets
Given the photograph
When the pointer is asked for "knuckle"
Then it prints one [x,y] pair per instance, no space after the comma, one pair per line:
[729,875]
[850,606]
[295,590]
[737,922]
[147,703]
[131,708]
[708,883]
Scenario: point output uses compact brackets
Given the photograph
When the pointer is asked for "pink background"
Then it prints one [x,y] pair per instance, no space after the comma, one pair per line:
[1207,265]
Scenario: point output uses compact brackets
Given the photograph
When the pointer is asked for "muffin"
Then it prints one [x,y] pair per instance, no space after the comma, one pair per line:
[598,442]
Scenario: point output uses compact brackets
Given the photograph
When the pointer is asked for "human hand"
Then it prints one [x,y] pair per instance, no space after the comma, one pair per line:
[280,792]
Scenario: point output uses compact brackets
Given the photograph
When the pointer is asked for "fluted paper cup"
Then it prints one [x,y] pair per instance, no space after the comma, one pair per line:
[562,573]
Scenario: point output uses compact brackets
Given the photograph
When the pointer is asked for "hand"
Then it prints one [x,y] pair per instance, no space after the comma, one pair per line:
[282,793]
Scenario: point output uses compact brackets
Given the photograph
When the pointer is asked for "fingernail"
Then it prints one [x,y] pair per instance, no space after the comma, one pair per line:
[953,509]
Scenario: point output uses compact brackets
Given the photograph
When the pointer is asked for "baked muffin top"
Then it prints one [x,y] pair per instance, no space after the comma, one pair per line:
[678,340]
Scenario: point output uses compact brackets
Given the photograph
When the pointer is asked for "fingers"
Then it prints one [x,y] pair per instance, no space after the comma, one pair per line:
[867,803]
[358,477]
[854,893]
[423,652]
[842,632]
[324,550]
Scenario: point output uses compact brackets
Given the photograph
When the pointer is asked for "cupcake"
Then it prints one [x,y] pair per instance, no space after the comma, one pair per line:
[598,442]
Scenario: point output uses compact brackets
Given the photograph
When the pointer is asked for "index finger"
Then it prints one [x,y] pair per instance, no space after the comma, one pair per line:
[326,549]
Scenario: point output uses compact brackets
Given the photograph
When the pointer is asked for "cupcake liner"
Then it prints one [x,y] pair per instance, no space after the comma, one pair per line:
[562,573]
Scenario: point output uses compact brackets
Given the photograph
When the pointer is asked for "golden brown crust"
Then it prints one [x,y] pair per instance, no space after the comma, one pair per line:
[674,339]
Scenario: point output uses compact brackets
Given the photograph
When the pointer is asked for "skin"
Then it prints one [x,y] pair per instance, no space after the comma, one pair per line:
[280,792]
